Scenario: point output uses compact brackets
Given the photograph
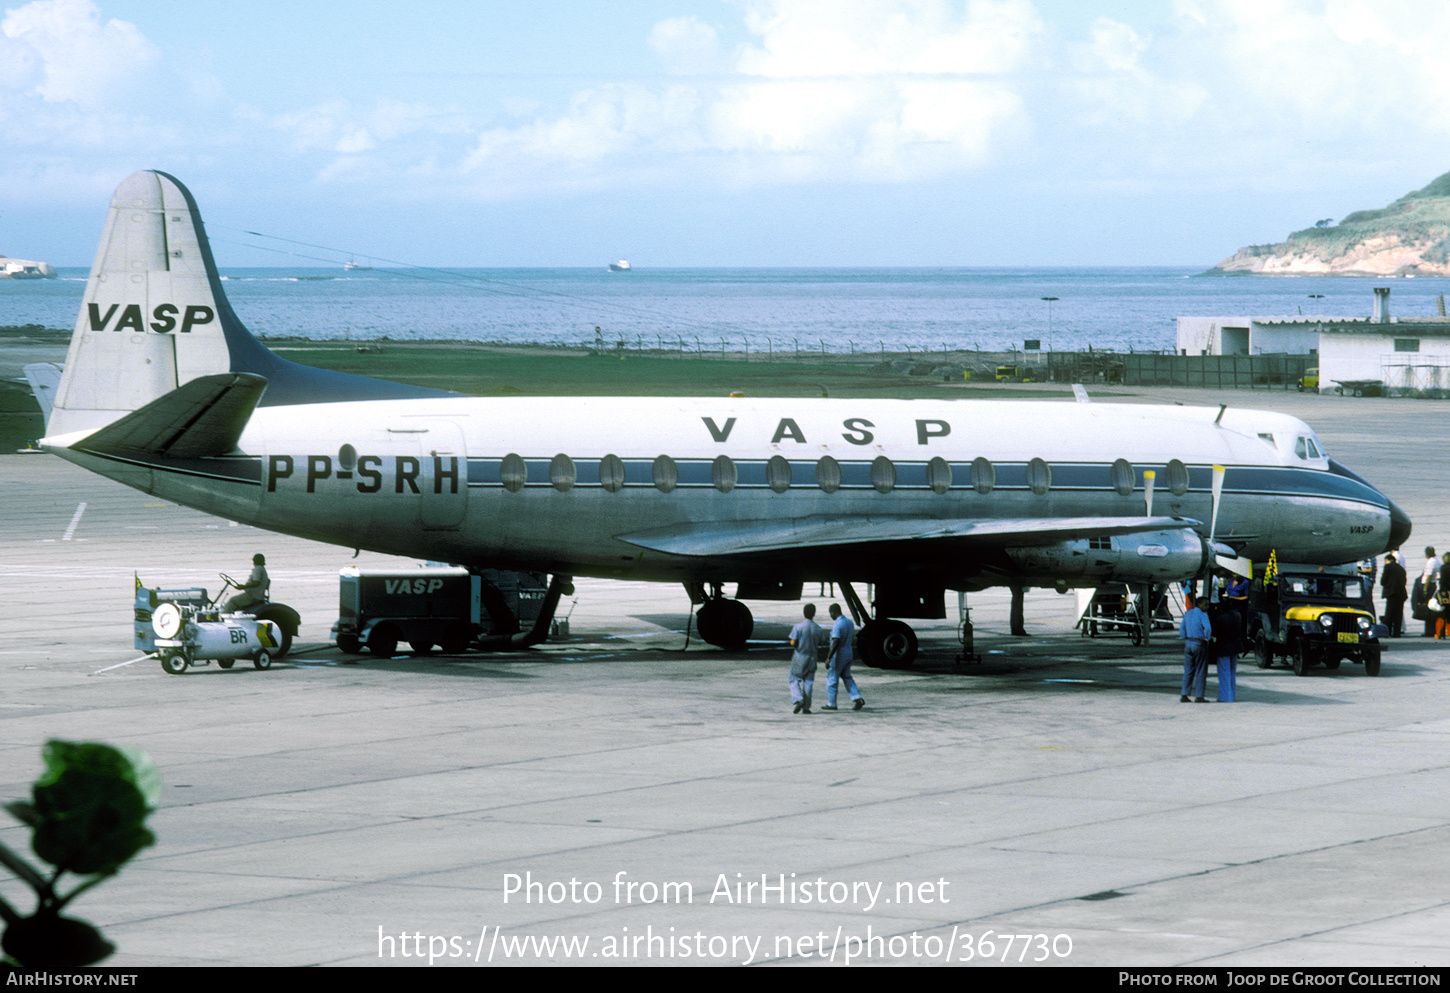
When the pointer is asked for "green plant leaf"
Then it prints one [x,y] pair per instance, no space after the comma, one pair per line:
[48,941]
[91,802]
[23,812]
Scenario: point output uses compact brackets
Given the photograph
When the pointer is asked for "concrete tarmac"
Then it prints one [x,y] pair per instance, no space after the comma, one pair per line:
[319,812]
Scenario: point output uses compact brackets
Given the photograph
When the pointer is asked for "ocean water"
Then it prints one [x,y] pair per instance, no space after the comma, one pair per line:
[764,310]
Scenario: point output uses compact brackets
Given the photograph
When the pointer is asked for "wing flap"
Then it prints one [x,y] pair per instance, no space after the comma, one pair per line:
[721,538]
[202,418]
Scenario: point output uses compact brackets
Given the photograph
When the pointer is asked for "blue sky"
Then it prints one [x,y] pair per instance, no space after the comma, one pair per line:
[698,132]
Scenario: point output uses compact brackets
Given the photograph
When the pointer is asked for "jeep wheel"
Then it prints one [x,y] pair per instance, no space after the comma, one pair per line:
[1372,661]
[1263,653]
[1302,662]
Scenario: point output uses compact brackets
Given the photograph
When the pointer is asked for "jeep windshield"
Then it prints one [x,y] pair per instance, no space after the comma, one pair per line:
[1324,587]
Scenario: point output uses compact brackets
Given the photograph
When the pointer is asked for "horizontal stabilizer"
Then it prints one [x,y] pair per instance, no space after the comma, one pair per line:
[203,418]
[716,538]
[43,378]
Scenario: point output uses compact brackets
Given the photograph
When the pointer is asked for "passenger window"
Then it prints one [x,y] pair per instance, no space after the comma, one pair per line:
[666,474]
[1039,476]
[828,474]
[939,475]
[723,474]
[883,474]
[611,473]
[513,473]
[983,476]
[562,473]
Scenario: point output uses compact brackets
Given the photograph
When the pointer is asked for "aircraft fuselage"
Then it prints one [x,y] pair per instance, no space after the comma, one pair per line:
[567,485]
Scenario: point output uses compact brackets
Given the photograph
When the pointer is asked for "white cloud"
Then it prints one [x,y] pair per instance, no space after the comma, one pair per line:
[688,47]
[801,38]
[1339,66]
[63,50]
[825,90]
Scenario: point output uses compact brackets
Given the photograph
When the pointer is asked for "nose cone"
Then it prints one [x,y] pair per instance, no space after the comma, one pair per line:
[1399,527]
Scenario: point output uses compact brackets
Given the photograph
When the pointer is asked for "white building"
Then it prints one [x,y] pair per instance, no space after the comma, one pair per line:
[1403,355]
[25,269]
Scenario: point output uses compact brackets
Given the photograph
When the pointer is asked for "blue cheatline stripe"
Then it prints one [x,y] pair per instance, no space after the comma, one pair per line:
[912,475]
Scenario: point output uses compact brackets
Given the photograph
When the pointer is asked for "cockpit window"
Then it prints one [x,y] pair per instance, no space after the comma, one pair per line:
[1305,448]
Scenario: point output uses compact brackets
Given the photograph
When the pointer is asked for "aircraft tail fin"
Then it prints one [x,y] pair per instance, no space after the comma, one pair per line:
[43,378]
[202,419]
[155,317]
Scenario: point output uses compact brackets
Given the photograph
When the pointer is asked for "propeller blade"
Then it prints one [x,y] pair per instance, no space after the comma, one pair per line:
[1218,472]
[1148,477]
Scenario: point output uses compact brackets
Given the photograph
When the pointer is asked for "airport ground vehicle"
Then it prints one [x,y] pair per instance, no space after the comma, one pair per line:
[1360,388]
[1315,615]
[185,627]
[1310,379]
[1115,608]
[1015,374]
[446,607]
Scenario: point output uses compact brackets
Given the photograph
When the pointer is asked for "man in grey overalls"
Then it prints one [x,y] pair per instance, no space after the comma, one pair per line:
[254,590]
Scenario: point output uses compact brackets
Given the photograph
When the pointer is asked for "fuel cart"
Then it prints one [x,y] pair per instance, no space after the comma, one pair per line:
[443,607]
[185,628]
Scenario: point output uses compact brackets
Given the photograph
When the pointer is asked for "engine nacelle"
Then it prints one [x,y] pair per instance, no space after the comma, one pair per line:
[1144,557]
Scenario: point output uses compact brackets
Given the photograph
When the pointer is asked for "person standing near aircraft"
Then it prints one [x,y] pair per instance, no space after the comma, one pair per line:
[806,638]
[1228,644]
[1392,585]
[1019,625]
[255,589]
[1442,599]
[838,660]
[1195,632]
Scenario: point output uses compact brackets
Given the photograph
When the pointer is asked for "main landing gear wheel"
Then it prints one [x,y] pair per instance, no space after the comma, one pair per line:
[263,659]
[726,623]
[174,663]
[887,644]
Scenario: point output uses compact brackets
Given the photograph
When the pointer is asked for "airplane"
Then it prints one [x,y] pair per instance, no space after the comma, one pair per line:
[165,390]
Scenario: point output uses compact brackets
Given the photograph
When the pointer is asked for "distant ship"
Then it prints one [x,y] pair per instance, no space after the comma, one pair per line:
[350,265]
[621,266]
[25,269]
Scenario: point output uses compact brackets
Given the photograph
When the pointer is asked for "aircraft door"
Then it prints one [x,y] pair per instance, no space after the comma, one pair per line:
[444,477]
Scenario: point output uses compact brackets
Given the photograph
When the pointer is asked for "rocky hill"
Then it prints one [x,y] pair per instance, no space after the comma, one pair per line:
[1409,237]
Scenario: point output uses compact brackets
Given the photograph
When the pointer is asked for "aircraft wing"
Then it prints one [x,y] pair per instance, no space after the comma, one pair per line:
[720,538]
[202,418]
